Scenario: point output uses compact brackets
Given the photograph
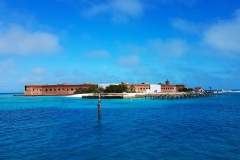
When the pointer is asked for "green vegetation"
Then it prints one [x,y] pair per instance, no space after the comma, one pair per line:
[116,89]
[185,89]
[92,89]
[110,89]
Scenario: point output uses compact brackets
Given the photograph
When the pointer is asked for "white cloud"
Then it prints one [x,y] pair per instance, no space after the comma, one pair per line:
[173,2]
[129,61]
[16,40]
[97,54]
[224,35]
[185,26]
[128,7]
[39,70]
[120,10]
[172,47]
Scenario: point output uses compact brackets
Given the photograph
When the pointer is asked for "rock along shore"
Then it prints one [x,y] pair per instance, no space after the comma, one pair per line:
[150,95]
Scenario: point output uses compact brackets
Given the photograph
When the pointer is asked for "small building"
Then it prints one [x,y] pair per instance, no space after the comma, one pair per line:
[198,89]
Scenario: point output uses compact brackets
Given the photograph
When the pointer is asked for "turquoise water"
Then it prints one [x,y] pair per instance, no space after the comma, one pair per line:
[69,128]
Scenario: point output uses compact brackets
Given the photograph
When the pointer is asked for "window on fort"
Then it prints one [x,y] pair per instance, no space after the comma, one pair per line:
[40,90]
[50,89]
[72,89]
[33,89]
[63,89]
[58,89]
[46,89]
[54,89]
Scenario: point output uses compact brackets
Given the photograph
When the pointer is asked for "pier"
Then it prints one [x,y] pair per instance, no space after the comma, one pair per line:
[181,95]
[169,96]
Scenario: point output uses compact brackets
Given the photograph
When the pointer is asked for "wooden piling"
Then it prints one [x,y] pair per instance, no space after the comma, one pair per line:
[99,106]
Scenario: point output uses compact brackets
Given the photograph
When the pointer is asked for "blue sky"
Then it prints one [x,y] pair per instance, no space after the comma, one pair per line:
[194,42]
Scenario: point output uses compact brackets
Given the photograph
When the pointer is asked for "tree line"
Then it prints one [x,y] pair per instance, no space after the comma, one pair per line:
[109,89]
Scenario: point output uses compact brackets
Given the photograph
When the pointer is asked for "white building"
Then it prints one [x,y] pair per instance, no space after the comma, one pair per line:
[154,88]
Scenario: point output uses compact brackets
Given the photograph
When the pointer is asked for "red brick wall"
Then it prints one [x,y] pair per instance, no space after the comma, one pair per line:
[139,88]
[168,88]
[64,89]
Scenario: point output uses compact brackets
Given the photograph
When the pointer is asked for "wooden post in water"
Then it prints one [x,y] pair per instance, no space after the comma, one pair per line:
[99,106]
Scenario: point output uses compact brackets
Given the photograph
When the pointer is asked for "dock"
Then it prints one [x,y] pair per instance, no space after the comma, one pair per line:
[103,96]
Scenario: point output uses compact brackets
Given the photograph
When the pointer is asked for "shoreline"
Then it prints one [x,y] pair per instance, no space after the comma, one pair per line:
[132,95]
[167,95]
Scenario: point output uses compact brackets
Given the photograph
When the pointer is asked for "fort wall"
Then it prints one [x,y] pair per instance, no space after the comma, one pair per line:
[60,89]
[69,89]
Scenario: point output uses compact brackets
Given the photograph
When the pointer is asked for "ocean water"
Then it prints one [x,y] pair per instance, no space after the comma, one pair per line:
[69,128]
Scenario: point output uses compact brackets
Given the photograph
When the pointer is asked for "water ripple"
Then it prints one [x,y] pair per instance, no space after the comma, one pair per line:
[67,128]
